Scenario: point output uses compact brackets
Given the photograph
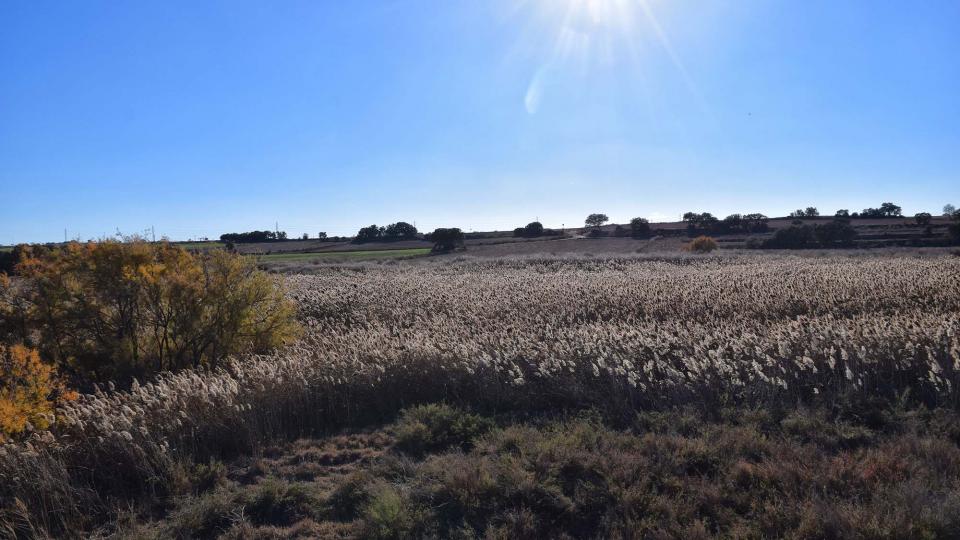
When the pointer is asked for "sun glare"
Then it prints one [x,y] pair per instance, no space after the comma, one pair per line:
[581,34]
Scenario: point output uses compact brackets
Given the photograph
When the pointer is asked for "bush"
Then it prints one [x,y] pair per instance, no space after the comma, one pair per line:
[702,244]
[115,310]
[837,233]
[429,428]
[29,391]
[446,240]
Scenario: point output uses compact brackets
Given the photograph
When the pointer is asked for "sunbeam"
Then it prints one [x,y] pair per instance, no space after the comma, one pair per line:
[577,35]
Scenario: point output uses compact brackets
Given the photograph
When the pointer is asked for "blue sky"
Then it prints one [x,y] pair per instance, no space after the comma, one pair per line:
[200,118]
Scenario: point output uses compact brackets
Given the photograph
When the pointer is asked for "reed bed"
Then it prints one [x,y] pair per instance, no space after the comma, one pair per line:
[618,335]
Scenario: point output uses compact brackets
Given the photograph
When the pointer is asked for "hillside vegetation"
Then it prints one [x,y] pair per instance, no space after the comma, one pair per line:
[748,396]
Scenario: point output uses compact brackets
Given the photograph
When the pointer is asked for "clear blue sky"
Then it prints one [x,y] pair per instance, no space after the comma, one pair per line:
[200,118]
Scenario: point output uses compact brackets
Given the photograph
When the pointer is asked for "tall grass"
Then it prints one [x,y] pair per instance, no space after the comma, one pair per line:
[617,335]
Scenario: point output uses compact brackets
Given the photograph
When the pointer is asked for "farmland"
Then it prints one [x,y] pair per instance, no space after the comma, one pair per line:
[590,395]
[341,254]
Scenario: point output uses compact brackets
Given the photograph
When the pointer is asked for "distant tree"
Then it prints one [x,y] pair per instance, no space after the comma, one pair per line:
[954,228]
[812,212]
[886,210]
[797,236]
[253,237]
[533,229]
[700,223]
[799,213]
[837,233]
[756,223]
[305,236]
[949,209]
[400,231]
[322,235]
[923,218]
[890,210]
[369,234]
[229,246]
[640,227]
[596,220]
[843,213]
[446,240]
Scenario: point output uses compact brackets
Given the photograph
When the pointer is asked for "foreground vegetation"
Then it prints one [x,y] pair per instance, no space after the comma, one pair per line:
[745,396]
[443,473]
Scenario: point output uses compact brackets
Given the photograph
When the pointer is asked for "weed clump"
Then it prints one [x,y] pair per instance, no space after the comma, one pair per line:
[429,428]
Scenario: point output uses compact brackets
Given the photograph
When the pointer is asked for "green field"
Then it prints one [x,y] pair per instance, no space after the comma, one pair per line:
[4,249]
[369,254]
[199,245]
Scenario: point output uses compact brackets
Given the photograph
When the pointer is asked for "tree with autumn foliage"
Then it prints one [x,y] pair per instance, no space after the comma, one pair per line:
[113,310]
[29,391]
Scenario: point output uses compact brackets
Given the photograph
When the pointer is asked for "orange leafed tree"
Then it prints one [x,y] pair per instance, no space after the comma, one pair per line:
[29,391]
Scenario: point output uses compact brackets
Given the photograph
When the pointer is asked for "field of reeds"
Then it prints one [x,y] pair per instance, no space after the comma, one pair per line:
[850,337]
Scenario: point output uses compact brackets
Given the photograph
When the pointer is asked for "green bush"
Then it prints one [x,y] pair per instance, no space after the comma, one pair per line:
[429,428]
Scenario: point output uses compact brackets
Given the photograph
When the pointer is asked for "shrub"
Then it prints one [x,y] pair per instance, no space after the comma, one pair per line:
[702,244]
[115,310]
[389,515]
[837,233]
[29,391]
[446,240]
[429,428]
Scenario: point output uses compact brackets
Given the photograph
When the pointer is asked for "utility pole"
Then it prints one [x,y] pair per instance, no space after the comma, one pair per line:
[153,233]
[64,235]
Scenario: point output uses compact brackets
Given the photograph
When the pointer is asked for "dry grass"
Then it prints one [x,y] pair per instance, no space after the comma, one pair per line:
[619,335]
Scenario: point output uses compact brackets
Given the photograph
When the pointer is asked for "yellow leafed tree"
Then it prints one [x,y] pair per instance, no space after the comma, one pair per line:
[29,390]
[114,310]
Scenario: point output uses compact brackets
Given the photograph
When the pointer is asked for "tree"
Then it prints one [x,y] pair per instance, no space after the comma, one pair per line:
[115,310]
[640,227]
[322,235]
[954,228]
[812,212]
[923,218]
[400,231]
[533,229]
[596,220]
[703,223]
[305,236]
[446,240]
[842,213]
[886,210]
[948,210]
[837,233]
[253,237]
[369,234]
[890,210]
[756,223]
[29,391]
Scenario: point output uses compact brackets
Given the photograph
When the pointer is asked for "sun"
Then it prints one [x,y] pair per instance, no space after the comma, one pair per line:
[579,35]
